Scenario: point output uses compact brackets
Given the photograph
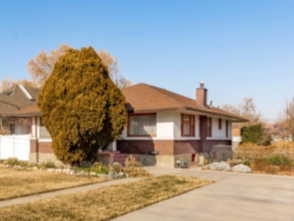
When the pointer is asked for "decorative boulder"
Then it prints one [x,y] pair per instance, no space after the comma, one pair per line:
[219,166]
[241,168]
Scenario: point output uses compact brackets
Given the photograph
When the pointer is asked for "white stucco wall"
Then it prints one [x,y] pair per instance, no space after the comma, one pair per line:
[220,134]
[165,125]
[168,127]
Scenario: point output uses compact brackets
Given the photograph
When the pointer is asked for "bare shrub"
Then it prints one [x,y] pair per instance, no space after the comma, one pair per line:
[134,169]
[254,151]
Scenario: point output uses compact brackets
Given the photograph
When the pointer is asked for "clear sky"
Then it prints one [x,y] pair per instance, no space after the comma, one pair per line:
[239,48]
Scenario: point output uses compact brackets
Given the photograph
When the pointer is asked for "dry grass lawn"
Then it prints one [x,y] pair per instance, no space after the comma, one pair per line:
[104,203]
[16,182]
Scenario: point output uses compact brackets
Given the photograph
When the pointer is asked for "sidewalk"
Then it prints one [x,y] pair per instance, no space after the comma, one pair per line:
[28,199]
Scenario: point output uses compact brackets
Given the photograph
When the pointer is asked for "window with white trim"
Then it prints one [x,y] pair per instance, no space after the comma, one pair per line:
[188,125]
[44,133]
[142,125]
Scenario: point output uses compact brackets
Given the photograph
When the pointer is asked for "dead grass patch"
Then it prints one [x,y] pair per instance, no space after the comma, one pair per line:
[104,203]
[254,151]
[22,182]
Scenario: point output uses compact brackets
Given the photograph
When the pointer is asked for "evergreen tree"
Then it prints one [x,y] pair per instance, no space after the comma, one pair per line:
[255,134]
[82,108]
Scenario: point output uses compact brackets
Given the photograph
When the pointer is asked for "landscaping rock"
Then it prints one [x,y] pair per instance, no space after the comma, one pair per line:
[241,168]
[51,170]
[219,166]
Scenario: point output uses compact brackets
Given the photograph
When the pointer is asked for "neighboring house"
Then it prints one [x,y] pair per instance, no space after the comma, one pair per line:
[236,136]
[163,126]
[12,101]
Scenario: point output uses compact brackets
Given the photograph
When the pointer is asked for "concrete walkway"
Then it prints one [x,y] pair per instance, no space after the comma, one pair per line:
[233,197]
[28,199]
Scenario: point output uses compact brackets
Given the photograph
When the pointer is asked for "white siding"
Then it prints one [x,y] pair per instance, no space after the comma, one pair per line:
[220,134]
[16,146]
[168,126]
[165,125]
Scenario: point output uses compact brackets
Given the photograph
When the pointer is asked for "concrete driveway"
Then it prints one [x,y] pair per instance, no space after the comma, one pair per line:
[234,196]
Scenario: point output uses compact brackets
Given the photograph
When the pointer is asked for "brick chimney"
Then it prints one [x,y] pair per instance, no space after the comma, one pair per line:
[201,94]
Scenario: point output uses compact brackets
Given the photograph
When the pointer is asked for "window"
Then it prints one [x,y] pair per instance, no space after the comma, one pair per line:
[227,128]
[209,127]
[142,125]
[220,124]
[43,130]
[188,125]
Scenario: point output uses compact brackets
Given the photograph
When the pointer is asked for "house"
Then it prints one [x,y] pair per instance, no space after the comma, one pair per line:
[12,101]
[236,136]
[163,127]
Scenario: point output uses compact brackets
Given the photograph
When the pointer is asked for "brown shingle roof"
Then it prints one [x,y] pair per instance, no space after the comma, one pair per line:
[32,110]
[6,108]
[144,97]
[16,100]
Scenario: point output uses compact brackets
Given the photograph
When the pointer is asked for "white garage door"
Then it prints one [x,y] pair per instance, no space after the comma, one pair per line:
[17,146]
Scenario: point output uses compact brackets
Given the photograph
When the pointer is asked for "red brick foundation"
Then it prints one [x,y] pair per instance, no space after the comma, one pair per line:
[167,147]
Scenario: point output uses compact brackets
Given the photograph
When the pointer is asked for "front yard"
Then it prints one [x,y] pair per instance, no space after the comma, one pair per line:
[104,203]
[22,182]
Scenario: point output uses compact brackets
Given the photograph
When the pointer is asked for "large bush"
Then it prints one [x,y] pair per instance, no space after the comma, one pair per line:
[255,134]
[82,108]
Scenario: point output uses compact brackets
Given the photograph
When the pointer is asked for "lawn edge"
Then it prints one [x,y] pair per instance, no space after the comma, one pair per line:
[52,190]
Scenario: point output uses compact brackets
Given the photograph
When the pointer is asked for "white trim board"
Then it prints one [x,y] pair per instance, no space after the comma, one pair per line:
[25,91]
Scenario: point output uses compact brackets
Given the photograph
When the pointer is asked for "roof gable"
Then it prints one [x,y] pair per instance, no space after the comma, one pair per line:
[20,97]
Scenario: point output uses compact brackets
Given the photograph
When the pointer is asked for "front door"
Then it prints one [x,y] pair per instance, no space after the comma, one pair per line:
[203,131]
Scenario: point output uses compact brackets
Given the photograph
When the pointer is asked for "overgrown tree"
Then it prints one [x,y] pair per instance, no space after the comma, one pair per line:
[246,109]
[82,108]
[41,66]
[6,86]
[111,63]
[289,119]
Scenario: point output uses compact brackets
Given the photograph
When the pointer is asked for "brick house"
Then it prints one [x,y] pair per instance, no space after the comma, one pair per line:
[163,127]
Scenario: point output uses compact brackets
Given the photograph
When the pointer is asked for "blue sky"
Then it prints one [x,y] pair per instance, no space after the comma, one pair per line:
[239,48]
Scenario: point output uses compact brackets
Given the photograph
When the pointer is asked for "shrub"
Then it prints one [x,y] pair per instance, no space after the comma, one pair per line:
[12,161]
[136,172]
[133,168]
[132,162]
[272,164]
[82,108]
[255,134]
[258,164]
[47,165]
[278,160]
[272,169]
[99,168]
[116,167]
[24,163]
[252,151]
[15,162]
